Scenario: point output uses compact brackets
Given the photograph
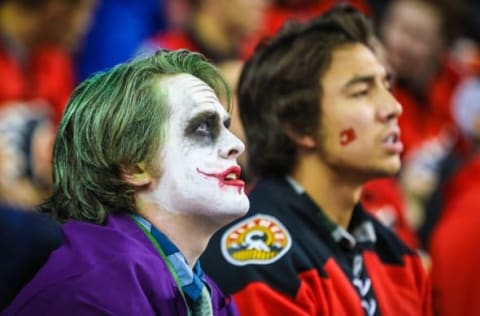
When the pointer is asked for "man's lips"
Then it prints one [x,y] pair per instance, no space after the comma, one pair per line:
[230,176]
[392,142]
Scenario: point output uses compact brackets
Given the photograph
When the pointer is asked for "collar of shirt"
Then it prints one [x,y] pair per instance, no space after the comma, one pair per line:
[360,231]
[191,280]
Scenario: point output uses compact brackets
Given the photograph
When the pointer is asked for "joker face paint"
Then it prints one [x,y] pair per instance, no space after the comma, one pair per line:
[199,170]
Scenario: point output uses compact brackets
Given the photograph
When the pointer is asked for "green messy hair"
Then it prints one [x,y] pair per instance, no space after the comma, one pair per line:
[115,120]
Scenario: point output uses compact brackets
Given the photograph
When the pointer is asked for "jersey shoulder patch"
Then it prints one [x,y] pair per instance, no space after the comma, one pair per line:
[259,239]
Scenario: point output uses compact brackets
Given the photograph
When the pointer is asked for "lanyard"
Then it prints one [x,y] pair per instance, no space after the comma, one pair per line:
[165,259]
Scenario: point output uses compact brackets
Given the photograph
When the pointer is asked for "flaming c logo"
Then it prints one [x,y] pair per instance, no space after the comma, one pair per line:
[260,239]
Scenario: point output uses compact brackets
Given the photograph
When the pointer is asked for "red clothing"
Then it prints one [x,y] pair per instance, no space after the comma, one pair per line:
[285,257]
[455,246]
[48,75]
[384,199]
[425,119]
[276,16]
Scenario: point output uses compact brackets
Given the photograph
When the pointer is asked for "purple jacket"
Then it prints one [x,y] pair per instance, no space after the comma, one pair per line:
[107,270]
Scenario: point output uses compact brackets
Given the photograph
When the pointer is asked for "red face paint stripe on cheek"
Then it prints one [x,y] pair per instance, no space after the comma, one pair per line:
[347,136]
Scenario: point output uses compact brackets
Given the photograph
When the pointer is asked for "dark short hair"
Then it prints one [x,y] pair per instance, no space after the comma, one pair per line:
[281,85]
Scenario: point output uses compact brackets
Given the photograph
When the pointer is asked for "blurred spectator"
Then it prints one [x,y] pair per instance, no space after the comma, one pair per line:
[26,140]
[35,39]
[26,240]
[281,11]
[467,53]
[466,49]
[119,27]
[217,28]
[454,243]
[417,35]
[302,10]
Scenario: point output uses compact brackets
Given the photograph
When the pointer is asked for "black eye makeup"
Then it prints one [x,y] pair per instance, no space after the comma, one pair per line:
[204,126]
[227,122]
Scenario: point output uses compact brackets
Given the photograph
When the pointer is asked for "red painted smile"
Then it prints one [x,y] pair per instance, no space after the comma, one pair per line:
[230,176]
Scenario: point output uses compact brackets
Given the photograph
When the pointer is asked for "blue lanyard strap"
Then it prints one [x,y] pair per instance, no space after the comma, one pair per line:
[191,281]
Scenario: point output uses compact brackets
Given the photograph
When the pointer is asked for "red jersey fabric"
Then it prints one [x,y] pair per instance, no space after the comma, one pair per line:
[286,258]
[455,246]
[425,118]
[384,199]
[47,74]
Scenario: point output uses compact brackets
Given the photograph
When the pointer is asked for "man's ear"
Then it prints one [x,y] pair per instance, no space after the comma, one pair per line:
[137,175]
[305,141]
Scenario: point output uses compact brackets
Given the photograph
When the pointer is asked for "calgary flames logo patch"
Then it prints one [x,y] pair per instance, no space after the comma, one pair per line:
[260,239]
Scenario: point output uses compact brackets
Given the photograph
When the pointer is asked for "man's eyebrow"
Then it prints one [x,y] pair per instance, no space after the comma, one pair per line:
[367,79]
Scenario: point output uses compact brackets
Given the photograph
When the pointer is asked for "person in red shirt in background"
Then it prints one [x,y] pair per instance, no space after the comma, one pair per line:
[303,10]
[281,11]
[453,243]
[36,38]
[216,28]
[417,35]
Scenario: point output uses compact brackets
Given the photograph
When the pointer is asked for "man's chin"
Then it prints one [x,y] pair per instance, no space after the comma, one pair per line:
[386,172]
[239,210]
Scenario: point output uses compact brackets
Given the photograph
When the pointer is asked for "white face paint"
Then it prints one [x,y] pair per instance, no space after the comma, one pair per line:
[200,174]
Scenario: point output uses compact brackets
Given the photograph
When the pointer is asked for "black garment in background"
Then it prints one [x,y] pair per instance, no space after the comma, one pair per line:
[26,241]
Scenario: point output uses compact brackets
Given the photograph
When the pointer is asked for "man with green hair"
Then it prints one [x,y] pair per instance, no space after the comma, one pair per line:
[145,172]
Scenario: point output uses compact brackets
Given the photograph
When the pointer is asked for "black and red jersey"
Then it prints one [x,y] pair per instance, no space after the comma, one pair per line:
[285,257]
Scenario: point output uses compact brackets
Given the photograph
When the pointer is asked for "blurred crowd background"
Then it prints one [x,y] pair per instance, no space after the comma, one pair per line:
[432,47]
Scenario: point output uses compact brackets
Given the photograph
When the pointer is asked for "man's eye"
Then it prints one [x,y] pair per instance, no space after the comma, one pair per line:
[389,87]
[359,94]
[204,129]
